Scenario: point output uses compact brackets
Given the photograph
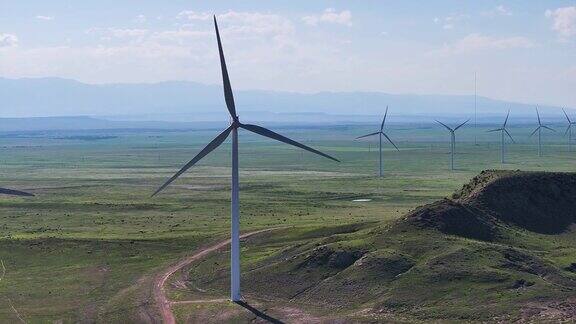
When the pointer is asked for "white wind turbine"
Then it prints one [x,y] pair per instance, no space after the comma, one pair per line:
[235,190]
[380,134]
[569,130]
[539,130]
[452,140]
[503,131]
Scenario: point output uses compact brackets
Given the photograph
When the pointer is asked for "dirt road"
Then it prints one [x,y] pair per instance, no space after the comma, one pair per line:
[159,294]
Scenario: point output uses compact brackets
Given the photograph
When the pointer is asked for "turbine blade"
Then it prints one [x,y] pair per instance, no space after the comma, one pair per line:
[207,149]
[14,192]
[534,132]
[538,114]
[439,122]
[567,129]
[506,120]
[229,97]
[506,131]
[548,128]
[462,124]
[371,134]
[389,140]
[270,134]
[565,114]
[495,130]
[384,120]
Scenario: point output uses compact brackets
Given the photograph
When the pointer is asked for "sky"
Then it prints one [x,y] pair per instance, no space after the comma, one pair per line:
[519,50]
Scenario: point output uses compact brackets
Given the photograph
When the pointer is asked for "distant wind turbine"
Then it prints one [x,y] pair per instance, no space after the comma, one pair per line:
[539,130]
[503,131]
[235,190]
[452,140]
[380,134]
[568,130]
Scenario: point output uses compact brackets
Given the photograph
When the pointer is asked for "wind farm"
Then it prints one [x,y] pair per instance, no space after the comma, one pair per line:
[302,202]
[147,177]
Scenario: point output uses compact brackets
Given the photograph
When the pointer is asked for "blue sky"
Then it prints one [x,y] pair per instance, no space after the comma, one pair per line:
[521,50]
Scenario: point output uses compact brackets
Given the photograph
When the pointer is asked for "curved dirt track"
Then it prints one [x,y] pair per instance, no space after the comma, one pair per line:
[160,298]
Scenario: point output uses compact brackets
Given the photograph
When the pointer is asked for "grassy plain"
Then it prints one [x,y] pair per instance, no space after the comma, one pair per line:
[85,248]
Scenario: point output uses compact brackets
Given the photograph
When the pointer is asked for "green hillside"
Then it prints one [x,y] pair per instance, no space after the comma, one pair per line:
[501,248]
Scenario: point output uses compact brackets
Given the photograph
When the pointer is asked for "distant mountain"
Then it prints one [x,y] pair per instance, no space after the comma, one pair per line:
[189,101]
[32,124]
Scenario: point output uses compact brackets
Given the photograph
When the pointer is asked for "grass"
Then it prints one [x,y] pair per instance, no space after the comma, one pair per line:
[83,247]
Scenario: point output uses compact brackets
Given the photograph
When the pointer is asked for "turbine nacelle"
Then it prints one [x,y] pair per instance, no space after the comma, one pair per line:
[540,125]
[452,130]
[381,132]
[503,128]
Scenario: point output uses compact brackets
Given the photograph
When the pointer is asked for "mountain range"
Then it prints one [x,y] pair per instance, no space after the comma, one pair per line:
[190,102]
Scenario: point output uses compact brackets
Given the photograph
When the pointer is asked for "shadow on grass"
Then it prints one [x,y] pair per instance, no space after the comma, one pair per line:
[259,313]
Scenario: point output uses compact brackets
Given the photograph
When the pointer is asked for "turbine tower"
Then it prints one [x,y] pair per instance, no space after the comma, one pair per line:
[568,130]
[452,140]
[539,130]
[235,190]
[503,131]
[380,134]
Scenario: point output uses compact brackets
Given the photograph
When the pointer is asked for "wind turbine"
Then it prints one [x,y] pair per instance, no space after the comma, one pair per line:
[380,134]
[539,130]
[568,130]
[503,131]
[235,190]
[452,140]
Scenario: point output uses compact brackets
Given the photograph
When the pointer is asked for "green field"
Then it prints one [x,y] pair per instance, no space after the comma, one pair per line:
[86,247]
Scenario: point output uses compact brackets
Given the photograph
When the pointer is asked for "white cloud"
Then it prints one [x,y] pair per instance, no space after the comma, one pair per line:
[235,26]
[180,37]
[497,11]
[107,33]
[121,33]
[330,15]
[262,49]
[449,22]
[140,19]
[503,11]
[255,25]
[8,40]
[478,42]
[193,15]
[41,17]
[564,21]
